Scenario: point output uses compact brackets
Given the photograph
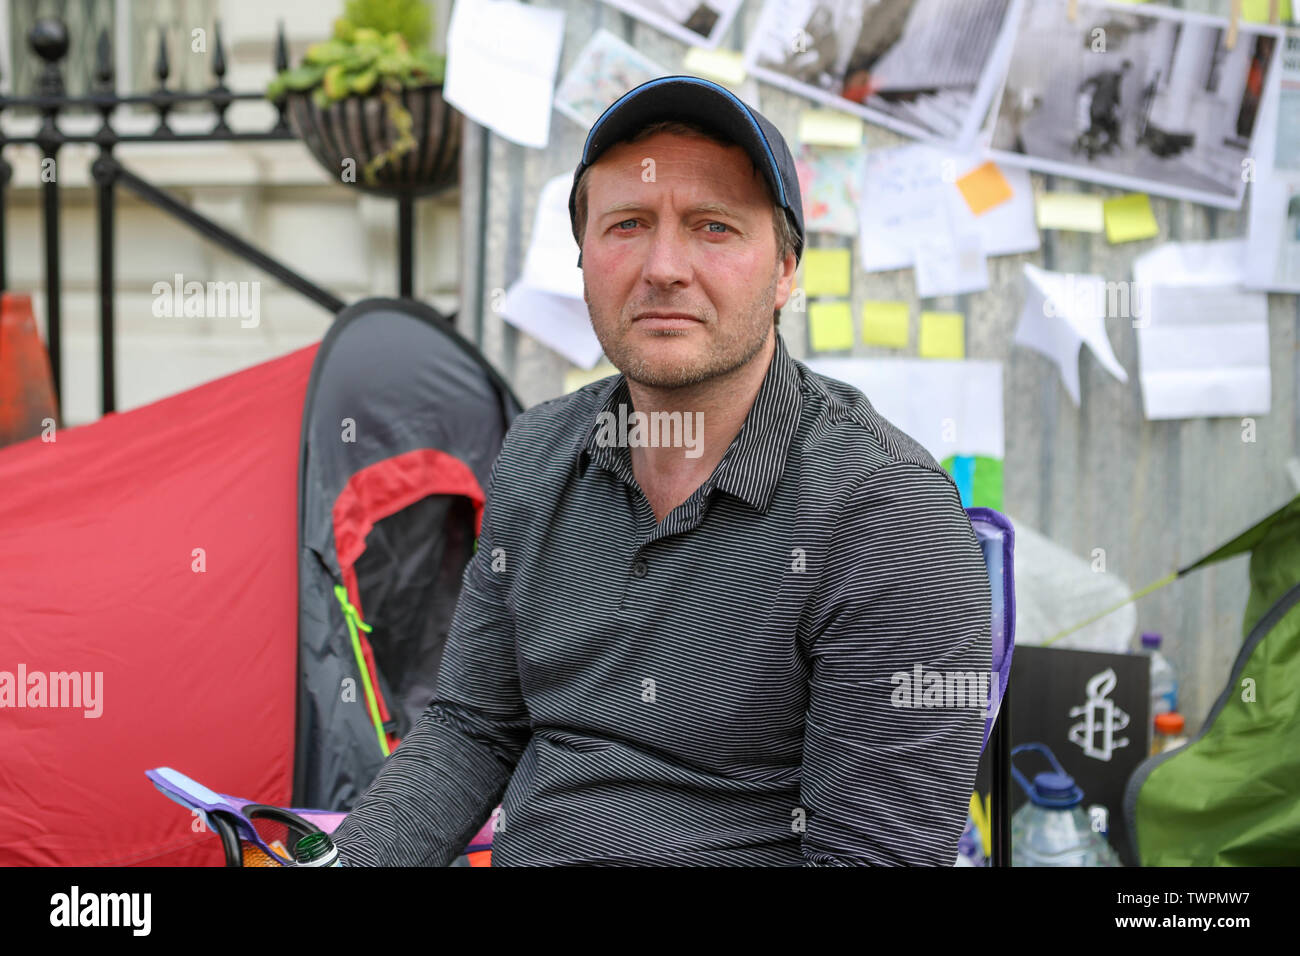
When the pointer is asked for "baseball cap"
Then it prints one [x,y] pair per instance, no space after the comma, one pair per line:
[701,101]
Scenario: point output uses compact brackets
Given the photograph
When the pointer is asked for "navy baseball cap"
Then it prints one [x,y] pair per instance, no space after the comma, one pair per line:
[714,107]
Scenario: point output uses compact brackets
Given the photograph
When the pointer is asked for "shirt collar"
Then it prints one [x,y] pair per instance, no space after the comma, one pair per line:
[753,463]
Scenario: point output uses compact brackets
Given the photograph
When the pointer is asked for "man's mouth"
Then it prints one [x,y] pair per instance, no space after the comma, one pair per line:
[663,321]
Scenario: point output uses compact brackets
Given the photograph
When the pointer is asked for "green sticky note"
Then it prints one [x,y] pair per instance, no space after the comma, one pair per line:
[1129,218]
[885,323]
[1080,212]
[831,326]
[830,128]
[943,335]
[1256,11]
[826,271]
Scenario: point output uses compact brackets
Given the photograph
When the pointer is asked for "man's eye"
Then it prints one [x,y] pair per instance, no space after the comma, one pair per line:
[722,224]
[623,223]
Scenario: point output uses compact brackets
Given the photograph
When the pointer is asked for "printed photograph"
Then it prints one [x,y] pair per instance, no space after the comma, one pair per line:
[924,68]
[1151,100]
[697,22]
[605,70]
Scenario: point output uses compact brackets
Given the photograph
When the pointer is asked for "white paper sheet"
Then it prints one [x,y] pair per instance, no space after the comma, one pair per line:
[501,62]
[949,407]
[1062,313]
[1203,348]
[546,301]
[909,196]
[559,322]
[950,265]
[551,263]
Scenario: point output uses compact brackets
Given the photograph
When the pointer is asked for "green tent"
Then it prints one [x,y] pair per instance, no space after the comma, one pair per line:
[1231,795]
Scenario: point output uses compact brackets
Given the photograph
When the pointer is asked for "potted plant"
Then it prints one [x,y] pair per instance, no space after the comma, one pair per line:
[368,101]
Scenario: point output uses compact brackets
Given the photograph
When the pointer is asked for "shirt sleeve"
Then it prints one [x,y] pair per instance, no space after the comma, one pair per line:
[437,789]
[888,768]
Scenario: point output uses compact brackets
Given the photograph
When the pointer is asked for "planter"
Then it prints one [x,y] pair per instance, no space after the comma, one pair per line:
[358,128]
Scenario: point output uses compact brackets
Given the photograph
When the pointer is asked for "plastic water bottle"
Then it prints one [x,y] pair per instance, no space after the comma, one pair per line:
[1169,733]
[1164,682]
[1052,828]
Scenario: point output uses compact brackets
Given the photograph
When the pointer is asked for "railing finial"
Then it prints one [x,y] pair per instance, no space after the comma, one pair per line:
[104,60]
[218,56]
[48,37]
[161,68]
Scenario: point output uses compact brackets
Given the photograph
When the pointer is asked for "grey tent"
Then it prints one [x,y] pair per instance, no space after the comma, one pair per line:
[402,422]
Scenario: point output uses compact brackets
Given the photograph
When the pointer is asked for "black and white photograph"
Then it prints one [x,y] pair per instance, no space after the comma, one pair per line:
[697,22]
[1151,100]
[925,68]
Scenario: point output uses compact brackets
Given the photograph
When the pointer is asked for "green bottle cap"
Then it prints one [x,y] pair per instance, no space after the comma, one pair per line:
[313,846]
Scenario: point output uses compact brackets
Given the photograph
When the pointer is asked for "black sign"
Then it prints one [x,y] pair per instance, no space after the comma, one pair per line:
[1092,711]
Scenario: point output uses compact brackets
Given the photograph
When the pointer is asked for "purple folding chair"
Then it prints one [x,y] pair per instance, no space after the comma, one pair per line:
[996,539]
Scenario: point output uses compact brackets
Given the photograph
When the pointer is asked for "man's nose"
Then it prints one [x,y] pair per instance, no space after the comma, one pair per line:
[667,257]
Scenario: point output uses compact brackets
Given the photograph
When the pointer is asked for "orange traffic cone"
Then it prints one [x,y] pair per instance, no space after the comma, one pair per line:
[26,382]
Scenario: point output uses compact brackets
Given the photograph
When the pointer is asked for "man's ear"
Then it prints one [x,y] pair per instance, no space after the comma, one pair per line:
[785,279]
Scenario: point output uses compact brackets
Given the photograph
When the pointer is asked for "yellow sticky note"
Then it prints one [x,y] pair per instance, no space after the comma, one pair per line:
[1079,212]
[885,323]
[830,128]
[831,326]
[725,66]
[826,271]
[1256,11]
[943,335]
[984,187]
[1129,218]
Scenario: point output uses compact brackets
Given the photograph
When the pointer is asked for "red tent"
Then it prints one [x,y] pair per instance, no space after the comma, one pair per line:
[154,554]
[170,580]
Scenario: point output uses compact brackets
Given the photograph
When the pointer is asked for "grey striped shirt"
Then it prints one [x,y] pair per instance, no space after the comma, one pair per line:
[720,689]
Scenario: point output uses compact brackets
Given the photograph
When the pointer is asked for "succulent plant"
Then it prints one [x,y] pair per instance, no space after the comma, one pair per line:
[360,59]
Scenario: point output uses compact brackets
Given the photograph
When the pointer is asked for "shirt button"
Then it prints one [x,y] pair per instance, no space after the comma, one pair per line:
[639,568]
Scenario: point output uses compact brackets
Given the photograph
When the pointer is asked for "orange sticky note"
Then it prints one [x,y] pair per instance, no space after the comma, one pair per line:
[984,187]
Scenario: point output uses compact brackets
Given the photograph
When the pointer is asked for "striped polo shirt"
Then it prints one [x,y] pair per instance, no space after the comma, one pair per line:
[739,684]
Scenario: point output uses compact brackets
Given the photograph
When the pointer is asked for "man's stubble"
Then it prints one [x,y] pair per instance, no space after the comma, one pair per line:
[726,351]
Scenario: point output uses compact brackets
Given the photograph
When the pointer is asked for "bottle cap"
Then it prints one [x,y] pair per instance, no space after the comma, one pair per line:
[1170,723]
[314,846]
[1150,639]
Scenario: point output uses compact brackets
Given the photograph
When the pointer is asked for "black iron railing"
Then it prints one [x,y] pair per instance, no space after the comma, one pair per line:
[48,38]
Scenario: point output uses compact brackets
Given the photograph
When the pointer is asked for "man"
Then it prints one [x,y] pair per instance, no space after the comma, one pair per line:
[1103,92]
[688,651]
